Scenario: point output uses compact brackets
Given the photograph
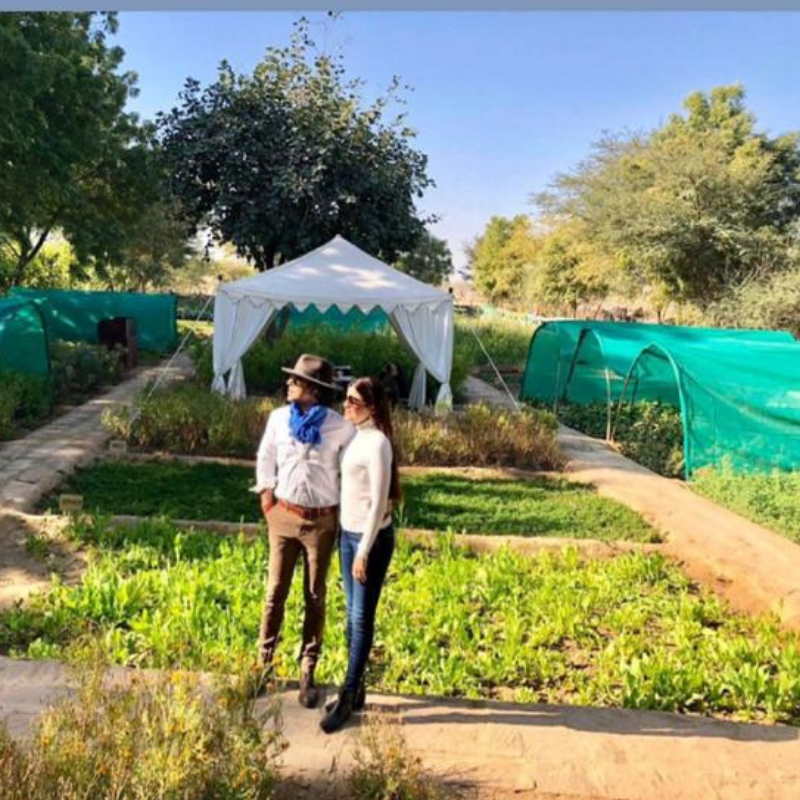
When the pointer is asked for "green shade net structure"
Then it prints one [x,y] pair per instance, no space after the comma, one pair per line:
[586,361]
[74,315]
[23,338]
[738,390]
[739,400]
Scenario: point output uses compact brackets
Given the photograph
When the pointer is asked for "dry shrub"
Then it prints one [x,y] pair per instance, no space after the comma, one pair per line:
[481,436]
[385,769]
[163,737]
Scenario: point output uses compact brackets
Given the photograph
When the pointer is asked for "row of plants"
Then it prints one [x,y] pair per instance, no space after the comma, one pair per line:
[173,736]
[770,499]
[629,631]
[188,419]
[432,500]
[648,432]
[78,370]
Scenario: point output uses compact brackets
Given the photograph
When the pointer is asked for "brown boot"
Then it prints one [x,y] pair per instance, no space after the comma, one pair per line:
[309,694]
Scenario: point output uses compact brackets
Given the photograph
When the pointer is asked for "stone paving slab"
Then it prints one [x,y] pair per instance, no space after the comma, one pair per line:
[517,750]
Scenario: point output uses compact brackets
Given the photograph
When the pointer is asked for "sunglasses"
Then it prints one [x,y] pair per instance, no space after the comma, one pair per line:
[354,401]
[292,381]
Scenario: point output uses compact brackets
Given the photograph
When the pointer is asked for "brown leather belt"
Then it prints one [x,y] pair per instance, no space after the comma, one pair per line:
[307,513]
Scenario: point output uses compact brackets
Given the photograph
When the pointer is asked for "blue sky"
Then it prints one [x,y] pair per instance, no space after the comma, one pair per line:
[501,101]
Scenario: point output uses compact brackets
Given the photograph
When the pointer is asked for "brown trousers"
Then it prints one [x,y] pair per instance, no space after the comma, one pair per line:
[290,536]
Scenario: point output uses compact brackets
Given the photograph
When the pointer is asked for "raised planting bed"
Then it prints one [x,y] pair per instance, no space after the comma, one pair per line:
[463,503]
[771,500]
[629,631]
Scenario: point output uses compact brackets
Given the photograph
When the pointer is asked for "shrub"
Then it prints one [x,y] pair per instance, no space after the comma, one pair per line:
[480,436]
[650,433]
[24,399]
[79,369]
[187,419]
[385,769]
[160,737]
[191,420]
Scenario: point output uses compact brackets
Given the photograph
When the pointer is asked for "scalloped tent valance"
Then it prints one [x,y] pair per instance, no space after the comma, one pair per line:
[342,275]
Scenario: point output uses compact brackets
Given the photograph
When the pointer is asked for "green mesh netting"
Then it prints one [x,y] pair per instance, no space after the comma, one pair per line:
[74,315]
[739,401]
[734,387]
[23,338]
[354,319]
[585,361]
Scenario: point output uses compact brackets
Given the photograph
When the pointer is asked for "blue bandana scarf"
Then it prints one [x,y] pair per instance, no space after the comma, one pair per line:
[305,428]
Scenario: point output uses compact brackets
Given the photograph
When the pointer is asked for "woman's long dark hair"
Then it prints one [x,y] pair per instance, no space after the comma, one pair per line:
[372,392]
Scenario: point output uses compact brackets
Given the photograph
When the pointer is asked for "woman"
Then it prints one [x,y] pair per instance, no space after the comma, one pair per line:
[370,483]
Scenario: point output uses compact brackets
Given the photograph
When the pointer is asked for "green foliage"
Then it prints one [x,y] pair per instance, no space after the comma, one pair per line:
[500,256]
[366,352]
[165,488]
[505,339]
[162,736]
[650,433]
[772,303]
[696,206]
[73,159]
[770,499]
[208,491]
[24,400]
[531,507]
[629,631]
[80,369]
[430,261]
[190,420]
[282,160]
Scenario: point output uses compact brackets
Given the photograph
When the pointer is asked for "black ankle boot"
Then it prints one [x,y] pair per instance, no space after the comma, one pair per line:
[340,713]
[309,694]
[360,698]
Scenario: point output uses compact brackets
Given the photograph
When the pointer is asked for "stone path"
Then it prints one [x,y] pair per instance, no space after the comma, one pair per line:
[514,750]
[32,466]
[477,391]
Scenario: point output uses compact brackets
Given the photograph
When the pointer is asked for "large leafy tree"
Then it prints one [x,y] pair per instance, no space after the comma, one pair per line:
[430,261]
[499,257]
[72,159]
[282,160]
[693,208]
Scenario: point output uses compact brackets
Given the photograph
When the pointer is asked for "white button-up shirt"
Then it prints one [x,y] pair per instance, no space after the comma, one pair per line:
[304,474]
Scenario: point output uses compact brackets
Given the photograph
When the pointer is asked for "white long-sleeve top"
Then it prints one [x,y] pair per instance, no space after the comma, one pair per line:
[304,474]
[366,478]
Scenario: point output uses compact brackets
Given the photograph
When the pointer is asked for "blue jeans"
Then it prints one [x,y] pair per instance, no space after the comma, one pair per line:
[362,598]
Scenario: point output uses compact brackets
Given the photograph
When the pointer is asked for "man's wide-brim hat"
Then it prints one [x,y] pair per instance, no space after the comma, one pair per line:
[314,370]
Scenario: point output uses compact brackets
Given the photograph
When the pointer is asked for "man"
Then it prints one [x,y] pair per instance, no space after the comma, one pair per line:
[297,478]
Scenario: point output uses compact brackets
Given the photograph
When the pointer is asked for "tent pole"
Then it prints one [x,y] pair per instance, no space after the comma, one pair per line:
[494,367]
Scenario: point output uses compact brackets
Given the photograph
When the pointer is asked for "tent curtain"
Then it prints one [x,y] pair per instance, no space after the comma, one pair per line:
[237,324]
[428,332]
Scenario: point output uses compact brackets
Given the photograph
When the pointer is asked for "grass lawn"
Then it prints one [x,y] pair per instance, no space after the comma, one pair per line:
[629,631]
[771,500]
[438,501]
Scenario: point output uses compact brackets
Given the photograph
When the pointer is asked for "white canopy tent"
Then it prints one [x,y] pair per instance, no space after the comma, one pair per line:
[336,274]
